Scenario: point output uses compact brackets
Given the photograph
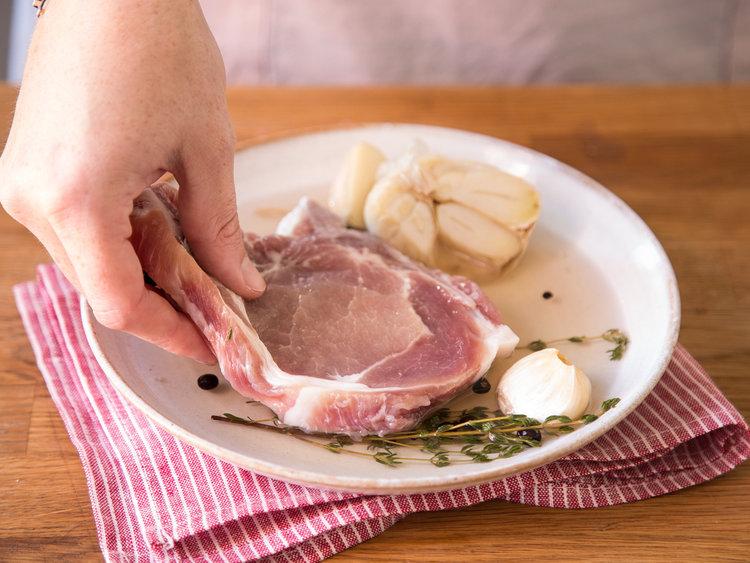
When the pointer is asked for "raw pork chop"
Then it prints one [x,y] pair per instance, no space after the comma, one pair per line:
[351,336]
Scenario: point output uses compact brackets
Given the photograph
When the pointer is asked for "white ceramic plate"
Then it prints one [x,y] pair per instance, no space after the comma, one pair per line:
[602,263]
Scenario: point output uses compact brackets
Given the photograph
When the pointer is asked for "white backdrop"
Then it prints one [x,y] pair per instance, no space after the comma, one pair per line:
[464,41]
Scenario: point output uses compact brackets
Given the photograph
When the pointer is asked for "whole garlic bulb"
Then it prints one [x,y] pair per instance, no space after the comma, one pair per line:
[542,384]
[458,215]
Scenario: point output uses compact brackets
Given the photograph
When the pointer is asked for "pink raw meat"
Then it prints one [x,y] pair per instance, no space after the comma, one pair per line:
[351,336]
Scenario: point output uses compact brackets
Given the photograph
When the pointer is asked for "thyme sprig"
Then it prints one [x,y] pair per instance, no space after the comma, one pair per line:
[613,335]
[476,435]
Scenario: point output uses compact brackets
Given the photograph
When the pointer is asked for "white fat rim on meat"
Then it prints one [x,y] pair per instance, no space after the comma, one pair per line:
[290,221]
[302,413]
[305,406]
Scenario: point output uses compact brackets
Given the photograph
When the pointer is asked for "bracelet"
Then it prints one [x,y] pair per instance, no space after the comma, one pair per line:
[39,5]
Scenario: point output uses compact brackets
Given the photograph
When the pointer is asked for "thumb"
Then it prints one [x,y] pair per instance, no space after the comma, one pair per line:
[208,217]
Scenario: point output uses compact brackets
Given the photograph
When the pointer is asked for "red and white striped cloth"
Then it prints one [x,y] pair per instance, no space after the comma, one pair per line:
[157,499]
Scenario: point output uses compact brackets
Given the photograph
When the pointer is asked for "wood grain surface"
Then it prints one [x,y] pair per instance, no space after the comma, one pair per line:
[679,156]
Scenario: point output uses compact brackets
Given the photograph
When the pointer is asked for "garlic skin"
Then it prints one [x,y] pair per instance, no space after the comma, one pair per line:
[460,216]
[543,384]
[355,179]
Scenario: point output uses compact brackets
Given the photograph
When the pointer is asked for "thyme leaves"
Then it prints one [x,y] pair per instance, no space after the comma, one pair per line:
[613,335]
[475,435]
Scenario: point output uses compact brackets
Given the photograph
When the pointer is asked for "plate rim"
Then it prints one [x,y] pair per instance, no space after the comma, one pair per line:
[367,485]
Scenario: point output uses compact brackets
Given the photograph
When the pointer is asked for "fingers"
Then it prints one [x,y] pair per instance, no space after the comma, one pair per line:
[111,278]
[208,215]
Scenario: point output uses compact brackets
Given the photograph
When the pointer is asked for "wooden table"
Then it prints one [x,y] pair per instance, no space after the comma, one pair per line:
[679,156]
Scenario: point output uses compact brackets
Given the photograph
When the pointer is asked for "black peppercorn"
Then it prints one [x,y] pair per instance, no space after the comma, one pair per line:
[208,381]
[482,386]
[531,433]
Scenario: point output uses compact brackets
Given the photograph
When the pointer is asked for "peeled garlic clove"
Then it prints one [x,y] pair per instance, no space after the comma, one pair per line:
[402,218]
[543,384]
[472,233]
[356,178]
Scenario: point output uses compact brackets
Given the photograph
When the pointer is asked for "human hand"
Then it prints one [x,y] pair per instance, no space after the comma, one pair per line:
[113,96]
